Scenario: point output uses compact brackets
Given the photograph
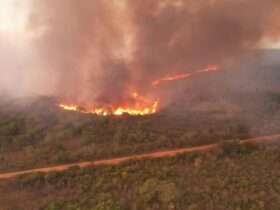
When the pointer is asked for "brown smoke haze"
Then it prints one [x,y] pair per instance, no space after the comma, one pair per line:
[101,50]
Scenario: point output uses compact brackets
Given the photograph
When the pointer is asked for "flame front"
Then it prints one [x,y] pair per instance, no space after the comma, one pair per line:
[136,104]
[210,68]
[141,106]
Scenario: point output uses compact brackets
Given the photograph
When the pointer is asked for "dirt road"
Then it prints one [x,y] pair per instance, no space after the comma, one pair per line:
[116,161]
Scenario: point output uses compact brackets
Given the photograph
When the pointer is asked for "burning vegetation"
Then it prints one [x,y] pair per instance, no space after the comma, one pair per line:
[210,68]
[136,105]
[122,57]
[111,49]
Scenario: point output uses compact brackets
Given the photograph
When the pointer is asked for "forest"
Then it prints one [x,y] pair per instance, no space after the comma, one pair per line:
[231,177]
[37,133]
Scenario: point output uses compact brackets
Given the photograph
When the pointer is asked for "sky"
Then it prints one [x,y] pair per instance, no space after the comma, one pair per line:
[275,45]
[14,17]
[18,56]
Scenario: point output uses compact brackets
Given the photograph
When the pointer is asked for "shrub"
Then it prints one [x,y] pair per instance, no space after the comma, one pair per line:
[230,148]
[31,179]
[154,189]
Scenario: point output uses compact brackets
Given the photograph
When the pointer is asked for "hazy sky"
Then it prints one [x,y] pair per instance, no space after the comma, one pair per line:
[18,58]
[275,45]
[14,16]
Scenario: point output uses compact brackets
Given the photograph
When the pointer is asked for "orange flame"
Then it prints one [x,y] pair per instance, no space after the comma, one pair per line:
[137,105]
[141,106]
[210,68]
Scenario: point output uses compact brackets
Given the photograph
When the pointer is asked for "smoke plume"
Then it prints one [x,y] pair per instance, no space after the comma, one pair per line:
[102,50]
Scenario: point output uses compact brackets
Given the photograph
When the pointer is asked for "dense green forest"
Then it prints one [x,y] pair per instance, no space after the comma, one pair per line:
[244,177]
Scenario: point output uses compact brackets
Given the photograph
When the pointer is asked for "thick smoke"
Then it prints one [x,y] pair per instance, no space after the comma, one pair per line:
[101,50]
[175,35]
[20,68]
[80,42]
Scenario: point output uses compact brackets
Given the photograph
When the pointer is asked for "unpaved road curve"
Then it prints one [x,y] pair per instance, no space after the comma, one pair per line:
[116,161]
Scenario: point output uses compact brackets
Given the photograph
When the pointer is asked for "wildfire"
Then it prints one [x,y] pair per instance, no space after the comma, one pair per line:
[136,104]
[210,68]
[140,106]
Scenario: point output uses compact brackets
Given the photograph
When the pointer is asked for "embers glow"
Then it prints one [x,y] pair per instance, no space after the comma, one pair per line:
[210,68]
[139,105]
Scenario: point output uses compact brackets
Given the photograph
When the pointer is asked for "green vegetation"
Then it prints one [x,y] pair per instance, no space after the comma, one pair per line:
[36,133]
[230,148]
[39,134]
[247,178]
